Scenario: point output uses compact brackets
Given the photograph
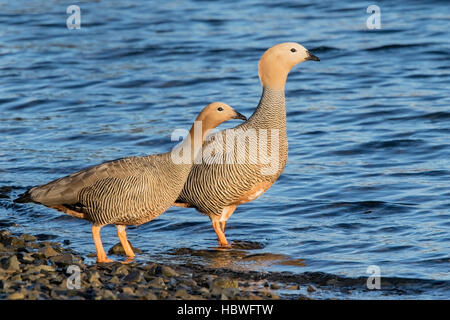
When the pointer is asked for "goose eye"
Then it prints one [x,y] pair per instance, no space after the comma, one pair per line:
[220,108]
[293,50]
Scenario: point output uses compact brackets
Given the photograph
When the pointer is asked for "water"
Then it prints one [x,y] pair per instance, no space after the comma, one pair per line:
[367,180]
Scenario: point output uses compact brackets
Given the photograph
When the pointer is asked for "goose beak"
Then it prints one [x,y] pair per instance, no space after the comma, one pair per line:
[240,116]
[312,57]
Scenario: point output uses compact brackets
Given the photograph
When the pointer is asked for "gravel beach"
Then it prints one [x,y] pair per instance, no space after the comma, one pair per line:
[35,269]
[32,269]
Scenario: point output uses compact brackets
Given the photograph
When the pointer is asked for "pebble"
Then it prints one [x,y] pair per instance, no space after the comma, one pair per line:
[275,286]
[65,259]
[11,264]
[183,294]
[108,295]
[293,287]
[28,237]
[128,290]
[166,271]
[118,249]
[16,296]
[26,257]
[48,252]
[121,270]
[134,276]
[219,285]
[157,283]
[311,288]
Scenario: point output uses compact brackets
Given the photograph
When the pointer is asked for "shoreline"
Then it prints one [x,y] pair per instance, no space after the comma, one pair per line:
[31,269]
[41,270]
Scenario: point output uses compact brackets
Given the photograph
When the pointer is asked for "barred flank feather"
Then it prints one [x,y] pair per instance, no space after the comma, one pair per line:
[211,187]
[128,191]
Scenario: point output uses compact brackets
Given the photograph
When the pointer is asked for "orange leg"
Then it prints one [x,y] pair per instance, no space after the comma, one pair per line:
[226,214]
[223,225]
[101,255]
[122,234]
[220,234]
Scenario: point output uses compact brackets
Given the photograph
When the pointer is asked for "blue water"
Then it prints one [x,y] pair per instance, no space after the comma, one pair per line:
[367,180]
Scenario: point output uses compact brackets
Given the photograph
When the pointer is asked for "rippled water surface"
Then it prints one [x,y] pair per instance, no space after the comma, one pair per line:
[367,180]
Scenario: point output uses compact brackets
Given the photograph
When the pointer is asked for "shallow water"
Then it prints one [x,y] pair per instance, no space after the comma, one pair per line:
[367,177]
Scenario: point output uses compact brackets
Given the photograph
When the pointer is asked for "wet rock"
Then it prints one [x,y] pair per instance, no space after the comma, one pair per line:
[182,294]
[58,294]
[157,283]
[25,257]
[207,278]
[311,288]
[4,236]
[230,292]
[33,245]
[275,296]
[124,296]
[114,280]
[33,295]
[43,237]
[11,264]
[225,283]
[39,268]
[149,296]
[4,285]
[65,259]
[134,277]
[93,278]
[48,252]
[332,282]
[28,237]
[275,286]
[121,270]
[118,249]
[218,285]
[16,278]
[128,290]
[189,282]
[9,240]
[162,294]
[3,275]
[16,296]
[293,287]
[166,271]
[108,295]
[203,291]
[43,282]
[4,191]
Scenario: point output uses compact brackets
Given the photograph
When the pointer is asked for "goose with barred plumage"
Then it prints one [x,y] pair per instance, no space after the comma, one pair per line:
[216,188]
[128,191]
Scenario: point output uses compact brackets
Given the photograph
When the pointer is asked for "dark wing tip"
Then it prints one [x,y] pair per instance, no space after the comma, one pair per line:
[23,198]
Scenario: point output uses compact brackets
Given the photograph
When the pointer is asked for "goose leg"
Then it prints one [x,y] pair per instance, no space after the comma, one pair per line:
[220,234]
[101,255]
[226,214]
[122,234]
[222,223]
